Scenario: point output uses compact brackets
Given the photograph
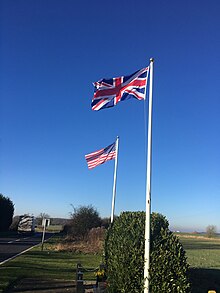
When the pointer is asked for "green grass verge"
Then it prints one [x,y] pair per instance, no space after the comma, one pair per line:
[48,264]
[51,228]
[204,259]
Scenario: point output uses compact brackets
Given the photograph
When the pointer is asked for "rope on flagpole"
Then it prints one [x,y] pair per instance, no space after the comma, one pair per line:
[145,124]
[148,186]
[115,179]
[145,117]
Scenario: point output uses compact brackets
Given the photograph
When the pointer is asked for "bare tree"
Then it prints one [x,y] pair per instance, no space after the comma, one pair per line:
[42,216]
[211,231]
[83,219]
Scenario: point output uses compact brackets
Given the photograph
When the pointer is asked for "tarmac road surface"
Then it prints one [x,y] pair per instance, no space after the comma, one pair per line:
[11,247]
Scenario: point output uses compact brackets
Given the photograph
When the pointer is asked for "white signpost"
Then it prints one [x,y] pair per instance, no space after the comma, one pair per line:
[45,223]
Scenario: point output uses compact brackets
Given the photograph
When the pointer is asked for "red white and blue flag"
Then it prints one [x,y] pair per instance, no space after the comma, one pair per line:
[108,92]
[99,157]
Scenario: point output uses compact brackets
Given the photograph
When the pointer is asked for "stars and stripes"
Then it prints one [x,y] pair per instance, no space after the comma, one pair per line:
[101,156]
[108,92]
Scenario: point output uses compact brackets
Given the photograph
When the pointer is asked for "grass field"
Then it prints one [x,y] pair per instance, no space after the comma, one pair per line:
[203,256]
[49,264]
[51,228]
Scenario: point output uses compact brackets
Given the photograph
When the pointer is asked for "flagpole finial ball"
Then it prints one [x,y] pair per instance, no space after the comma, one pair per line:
[151,59]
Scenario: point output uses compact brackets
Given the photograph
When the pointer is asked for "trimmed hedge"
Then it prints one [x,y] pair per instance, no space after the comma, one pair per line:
[124,253]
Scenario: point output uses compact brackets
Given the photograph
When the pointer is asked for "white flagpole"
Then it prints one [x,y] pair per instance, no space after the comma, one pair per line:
[148,186]
[115,179]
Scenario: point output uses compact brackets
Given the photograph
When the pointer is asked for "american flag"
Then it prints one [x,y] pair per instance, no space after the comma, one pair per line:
[108,92]
[99,157]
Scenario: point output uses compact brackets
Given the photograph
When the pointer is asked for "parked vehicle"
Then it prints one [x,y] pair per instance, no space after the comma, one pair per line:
[26,224]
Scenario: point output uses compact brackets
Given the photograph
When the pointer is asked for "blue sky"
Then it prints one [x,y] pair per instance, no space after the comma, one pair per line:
[52,51]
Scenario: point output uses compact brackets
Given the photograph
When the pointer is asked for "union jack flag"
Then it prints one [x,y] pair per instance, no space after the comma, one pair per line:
[99,157]
[108,92]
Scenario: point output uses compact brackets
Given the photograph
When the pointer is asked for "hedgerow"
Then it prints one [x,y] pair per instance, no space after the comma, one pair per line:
[124,254]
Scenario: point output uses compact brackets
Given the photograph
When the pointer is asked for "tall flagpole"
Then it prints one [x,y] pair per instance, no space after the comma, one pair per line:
[115,179]
[148,186]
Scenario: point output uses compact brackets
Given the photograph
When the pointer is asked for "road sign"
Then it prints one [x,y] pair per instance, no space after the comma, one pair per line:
[46,222]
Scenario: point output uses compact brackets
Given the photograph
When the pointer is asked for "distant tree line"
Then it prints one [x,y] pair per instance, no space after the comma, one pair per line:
[6,212]
[53,221]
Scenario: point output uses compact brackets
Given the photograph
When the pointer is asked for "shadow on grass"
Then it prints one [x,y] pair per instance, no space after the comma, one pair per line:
[196,245]
[40,285]
[37,285]
[203,280]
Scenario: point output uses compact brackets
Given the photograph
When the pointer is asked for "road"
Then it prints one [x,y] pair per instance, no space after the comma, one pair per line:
[12,246]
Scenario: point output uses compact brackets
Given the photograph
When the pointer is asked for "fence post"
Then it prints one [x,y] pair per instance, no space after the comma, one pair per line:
[79,279]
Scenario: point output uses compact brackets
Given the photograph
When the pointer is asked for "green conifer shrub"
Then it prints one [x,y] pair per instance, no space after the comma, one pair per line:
[124,254]
[6,212]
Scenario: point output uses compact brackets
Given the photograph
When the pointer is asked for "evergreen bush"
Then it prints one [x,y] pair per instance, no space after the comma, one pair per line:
[6,212]
[124,253]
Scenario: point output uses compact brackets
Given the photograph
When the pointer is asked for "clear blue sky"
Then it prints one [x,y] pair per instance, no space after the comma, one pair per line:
[52,51]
